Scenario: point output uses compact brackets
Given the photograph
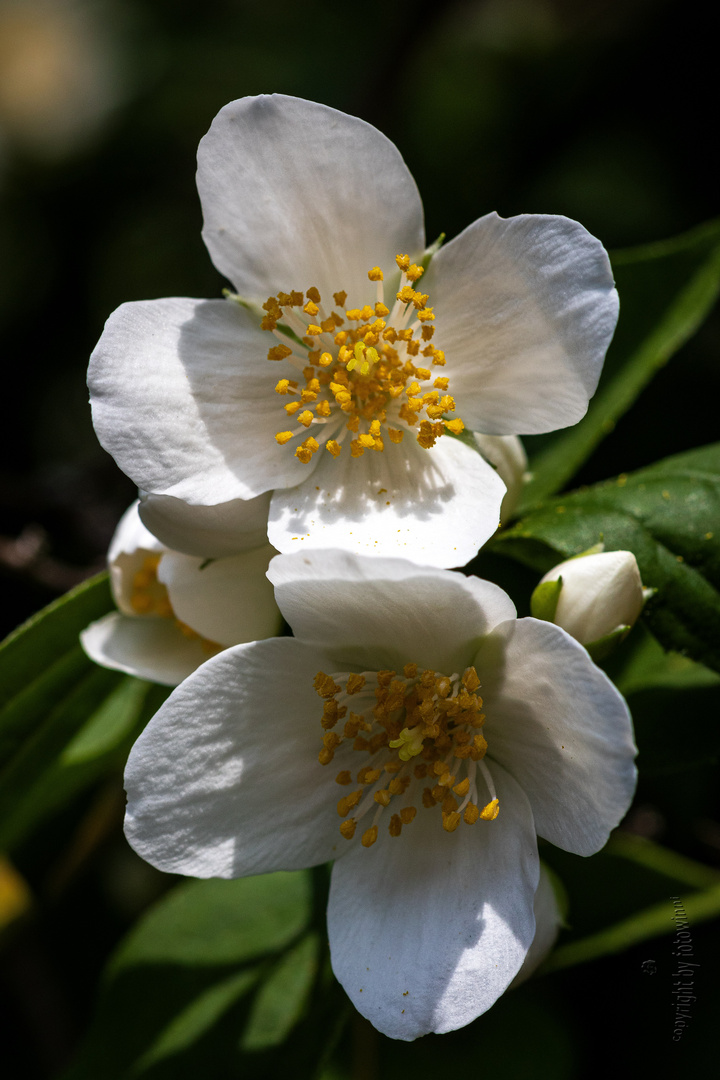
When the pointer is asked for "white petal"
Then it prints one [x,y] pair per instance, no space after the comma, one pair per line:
[558,724]
[429,928]
[371,614]
[228,600]
[525,309]
[507,454]
[225,780]
[129,547]
[150,647]
[131,535]
[296,194]
[207,531]
[436,506]
[548,921]
[183,398]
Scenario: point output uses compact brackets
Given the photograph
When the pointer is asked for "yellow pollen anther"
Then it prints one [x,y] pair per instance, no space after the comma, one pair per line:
[279,352]
[346,804]
[369,836]
[347,828]
[355,684]
[344,777]
[283,436]
[471,814]
[366,371]
[491,811]
[450,821]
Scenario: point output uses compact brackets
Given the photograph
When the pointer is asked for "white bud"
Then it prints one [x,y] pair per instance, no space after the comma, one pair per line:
[597,596]
[507,454]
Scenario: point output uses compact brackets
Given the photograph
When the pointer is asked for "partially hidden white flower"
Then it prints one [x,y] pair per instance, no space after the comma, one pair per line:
[419,734]
[176,610]
[597,597]
[507,456]
[355,401]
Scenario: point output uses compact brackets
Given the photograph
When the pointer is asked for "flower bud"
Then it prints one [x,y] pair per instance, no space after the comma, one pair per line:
[596,597]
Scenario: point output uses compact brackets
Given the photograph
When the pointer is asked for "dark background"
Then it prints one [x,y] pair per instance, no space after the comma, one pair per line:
[597,110]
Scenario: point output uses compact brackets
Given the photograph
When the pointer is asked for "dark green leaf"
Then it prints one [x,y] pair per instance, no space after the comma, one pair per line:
[280,1001]
[63,720]
[62,758]
[669,516]
[42,660]
[179,992]
[666,291]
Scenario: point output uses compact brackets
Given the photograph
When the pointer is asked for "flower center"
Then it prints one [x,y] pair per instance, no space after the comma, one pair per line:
[422,742]
[366,370]
[150,597]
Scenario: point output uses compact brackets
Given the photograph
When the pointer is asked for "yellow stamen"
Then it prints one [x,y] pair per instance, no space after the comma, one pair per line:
[366,371]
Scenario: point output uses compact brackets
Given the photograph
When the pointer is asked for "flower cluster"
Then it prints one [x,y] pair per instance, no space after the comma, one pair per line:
[355,402]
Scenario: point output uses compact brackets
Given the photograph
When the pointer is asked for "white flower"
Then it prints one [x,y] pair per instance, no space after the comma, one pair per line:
[373,712]
[507,455]
[175,611]
[595,597]
[345,405]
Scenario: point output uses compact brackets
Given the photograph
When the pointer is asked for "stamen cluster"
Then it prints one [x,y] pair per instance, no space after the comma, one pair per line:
[362,369]
[427,716]
[150,597]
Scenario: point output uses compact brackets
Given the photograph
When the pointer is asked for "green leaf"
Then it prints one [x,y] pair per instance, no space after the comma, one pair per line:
[605,893]
[180,991]
[78,745]
[544,600]
[280,1001]
[666,291]
[42,660]
[668,515]
[64,722]
[643,664]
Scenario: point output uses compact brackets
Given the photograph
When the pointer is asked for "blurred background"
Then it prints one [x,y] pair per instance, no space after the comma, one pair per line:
[597,110]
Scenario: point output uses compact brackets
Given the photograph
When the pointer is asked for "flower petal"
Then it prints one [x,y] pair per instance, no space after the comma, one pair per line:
[131,535]
[129,547]
[147,646]
[225,780]
[428,929]
[296,194]
[506,454]
[210,532]
[525,310]
[557,723]
[371,614]
[183,398]
[227,600]
[437,506]
[548,921]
